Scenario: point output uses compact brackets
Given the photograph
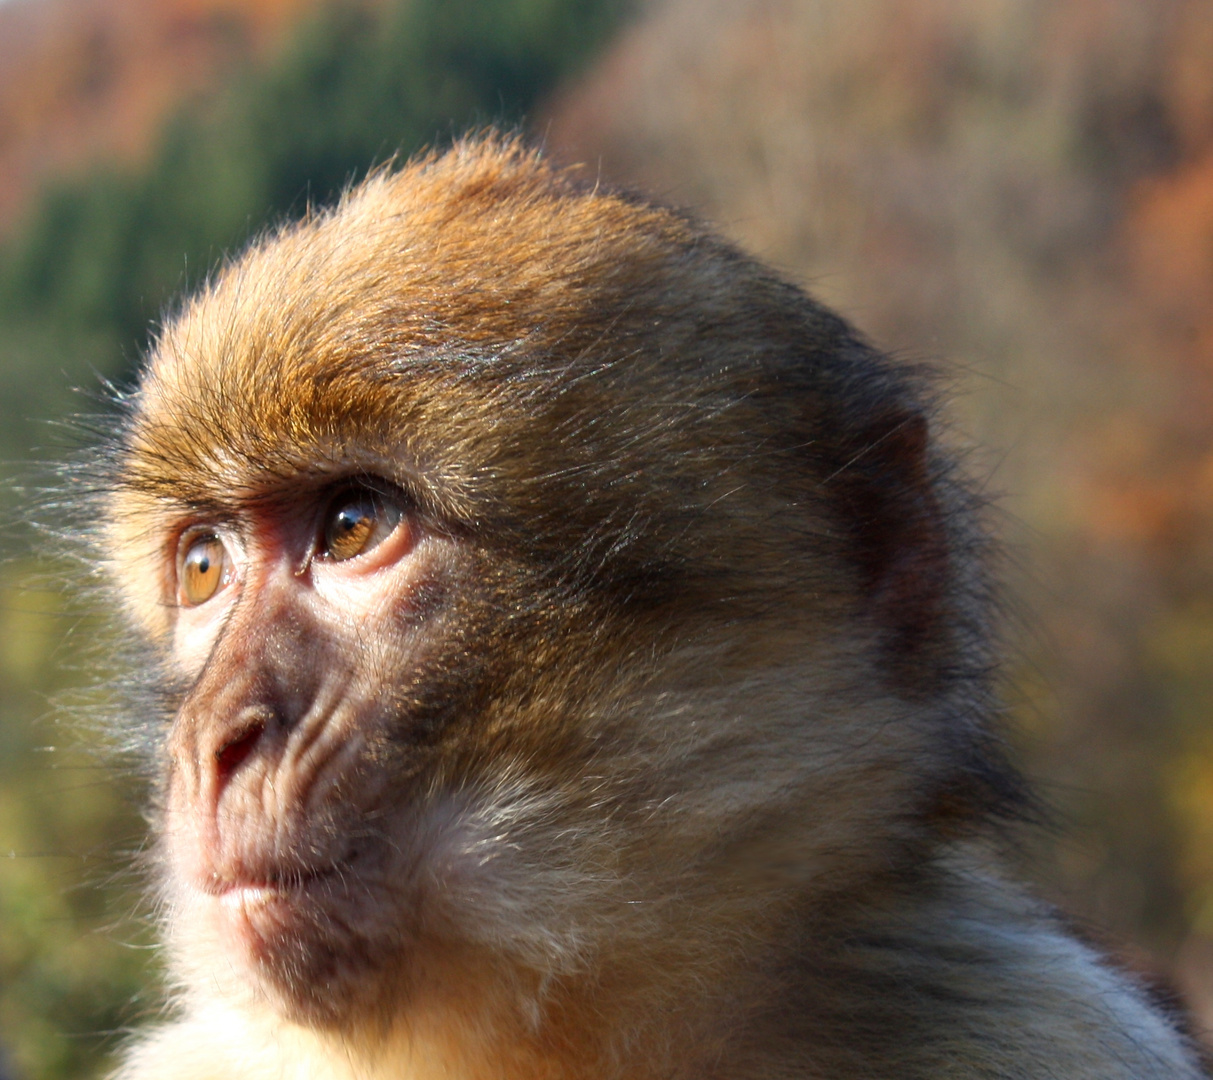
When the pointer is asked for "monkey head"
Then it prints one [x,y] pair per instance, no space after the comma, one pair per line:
[545,597]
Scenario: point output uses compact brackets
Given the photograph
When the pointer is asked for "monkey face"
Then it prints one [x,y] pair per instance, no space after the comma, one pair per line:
[294,626]
[377,768]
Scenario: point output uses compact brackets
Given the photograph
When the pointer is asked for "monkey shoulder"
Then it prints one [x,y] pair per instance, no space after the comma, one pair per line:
[978,981]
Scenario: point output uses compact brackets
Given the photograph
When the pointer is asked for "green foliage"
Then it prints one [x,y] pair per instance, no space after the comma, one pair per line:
[71,963]
[80,288]
[102,256]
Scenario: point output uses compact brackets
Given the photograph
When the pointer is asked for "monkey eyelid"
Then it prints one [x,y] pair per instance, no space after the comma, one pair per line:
[394,509]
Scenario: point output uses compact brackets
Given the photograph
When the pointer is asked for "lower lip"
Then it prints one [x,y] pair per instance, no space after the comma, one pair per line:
[260,917]
[244,896]
[250,896]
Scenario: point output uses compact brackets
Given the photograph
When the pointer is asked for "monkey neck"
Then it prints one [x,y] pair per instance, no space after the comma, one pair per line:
[481,1038]
[901,984]
[634,1013]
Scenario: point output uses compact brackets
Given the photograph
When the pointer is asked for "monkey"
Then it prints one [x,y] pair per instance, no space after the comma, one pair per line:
[571,652]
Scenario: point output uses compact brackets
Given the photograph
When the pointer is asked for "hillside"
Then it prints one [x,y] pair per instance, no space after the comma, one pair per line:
[88,81]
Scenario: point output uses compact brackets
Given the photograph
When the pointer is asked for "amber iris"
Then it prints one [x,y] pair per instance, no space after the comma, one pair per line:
[203,570]
[357,522]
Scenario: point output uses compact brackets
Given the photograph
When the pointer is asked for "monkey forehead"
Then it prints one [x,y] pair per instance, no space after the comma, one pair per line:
[445,312]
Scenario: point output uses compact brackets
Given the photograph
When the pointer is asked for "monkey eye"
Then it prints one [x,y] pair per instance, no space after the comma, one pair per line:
[357,521]
[205,569]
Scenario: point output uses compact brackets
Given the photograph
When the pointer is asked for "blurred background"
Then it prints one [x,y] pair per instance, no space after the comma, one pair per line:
[1020,191]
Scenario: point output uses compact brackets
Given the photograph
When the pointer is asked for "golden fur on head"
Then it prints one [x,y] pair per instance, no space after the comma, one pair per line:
[686,735]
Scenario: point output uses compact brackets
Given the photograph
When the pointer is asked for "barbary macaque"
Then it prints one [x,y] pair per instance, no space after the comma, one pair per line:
[574,649]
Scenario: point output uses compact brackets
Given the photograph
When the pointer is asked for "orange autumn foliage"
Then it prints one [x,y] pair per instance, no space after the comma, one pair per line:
[87,81]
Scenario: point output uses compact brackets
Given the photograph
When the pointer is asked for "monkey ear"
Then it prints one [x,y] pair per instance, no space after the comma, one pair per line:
[899,534]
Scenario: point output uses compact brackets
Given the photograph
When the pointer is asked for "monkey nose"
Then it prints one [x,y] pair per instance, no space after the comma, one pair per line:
[229,756]
[236,745]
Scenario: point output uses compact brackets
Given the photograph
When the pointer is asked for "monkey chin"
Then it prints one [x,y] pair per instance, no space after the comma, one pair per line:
[316,947]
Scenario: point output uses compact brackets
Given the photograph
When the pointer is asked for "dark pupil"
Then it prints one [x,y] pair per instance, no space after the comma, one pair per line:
[350,518]
[204,564]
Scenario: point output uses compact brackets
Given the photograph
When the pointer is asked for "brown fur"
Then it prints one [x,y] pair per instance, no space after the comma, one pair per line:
[672,757]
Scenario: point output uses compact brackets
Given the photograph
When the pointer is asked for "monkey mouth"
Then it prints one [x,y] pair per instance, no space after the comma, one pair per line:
[277,912]
[245,888]
[241,894]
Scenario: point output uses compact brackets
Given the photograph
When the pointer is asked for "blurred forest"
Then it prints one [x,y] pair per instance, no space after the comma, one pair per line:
[1019,190]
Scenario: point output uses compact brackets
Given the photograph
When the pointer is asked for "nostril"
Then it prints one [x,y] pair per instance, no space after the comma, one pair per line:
[230,756]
